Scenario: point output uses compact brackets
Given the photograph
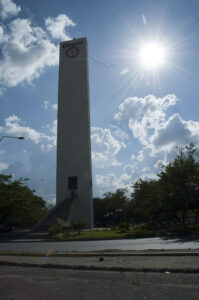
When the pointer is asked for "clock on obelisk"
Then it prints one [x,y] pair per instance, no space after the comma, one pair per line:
[74,176]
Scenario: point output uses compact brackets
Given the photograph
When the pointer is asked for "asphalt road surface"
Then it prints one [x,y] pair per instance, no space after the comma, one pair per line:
[83,246]
[18,283]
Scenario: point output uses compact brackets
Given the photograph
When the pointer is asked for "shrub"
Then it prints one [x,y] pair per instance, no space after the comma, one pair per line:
[78,226]
[142,233]
[63,224]
[52,230]
[124,226]
[144,226]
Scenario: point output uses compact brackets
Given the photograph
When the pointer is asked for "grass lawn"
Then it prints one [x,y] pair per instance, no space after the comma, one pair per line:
[105,235]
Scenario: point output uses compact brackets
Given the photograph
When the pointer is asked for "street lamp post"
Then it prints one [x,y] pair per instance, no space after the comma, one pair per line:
[12,137]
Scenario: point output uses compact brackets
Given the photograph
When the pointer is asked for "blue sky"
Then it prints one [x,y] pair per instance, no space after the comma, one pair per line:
[139,113]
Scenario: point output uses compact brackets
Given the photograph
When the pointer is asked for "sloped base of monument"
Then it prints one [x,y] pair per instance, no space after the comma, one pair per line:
[61,210]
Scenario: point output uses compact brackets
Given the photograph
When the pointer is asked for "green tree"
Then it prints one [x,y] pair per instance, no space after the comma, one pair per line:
[116,204]
[145,203]
[112,209]
[99,208]
[19,205]
[179,181]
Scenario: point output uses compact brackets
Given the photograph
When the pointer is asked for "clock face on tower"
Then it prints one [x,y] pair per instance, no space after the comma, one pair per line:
[72,52]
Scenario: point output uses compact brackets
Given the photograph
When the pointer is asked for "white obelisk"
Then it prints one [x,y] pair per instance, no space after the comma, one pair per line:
[74,177]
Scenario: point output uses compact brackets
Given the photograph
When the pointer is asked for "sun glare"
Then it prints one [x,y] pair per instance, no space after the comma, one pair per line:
[152,56]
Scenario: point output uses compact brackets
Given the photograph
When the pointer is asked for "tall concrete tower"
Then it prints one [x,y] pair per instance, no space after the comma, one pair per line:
[74,179]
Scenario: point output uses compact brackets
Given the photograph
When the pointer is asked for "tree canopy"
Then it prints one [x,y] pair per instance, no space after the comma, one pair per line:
[172,197]
[19,206]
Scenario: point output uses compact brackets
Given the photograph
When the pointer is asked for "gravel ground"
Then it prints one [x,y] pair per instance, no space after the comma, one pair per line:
[172,263]
[17,283]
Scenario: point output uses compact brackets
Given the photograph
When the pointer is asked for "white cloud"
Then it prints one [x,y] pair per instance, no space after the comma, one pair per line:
[104,183]
[2,152]
[124,71]
[119,133]
[54,106]
[2,90]
[159,163]
[158,133]
[129,175]
[14,126]
[40,170]
[140,156]
[146,170]
[175,132]
[3,166]
[130,169]
[54,127]
[145,116]
[144,20]
[8,8]
[111,182]
[150,111]
[139,131]
[57,27]
[104,147]
[1,34]
[45,104]
[130,108]
[26,51]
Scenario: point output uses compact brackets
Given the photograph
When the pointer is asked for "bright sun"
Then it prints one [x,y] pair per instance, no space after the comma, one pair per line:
[152,56]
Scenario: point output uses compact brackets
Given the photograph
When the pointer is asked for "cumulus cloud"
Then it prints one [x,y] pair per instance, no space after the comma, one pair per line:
[111,182]
[14,126]
[54,127]
[104,147]
[124,71]
[54,106]
[58,26]
[129,174]
[139,131]
[40,170]
[157,132]
[174,132]
[1,34]
[45,105]
[150,111]
[26,50]
[140,155]
[104,183]
[3,166]
[145,115]
[8,8]
[119,133]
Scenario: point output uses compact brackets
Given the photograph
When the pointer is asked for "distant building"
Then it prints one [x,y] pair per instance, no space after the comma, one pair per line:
[74,177]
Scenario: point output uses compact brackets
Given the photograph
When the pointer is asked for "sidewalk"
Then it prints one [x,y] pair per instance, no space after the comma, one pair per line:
[123,261]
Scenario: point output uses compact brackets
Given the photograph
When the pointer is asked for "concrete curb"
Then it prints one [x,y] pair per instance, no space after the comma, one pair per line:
[104,253]
[137,261]
[95,268]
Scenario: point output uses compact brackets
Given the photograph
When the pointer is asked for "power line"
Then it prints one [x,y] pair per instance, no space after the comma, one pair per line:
[101,63]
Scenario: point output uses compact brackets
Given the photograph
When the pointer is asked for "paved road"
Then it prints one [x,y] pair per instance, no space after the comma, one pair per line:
[50,284]
[84,246]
